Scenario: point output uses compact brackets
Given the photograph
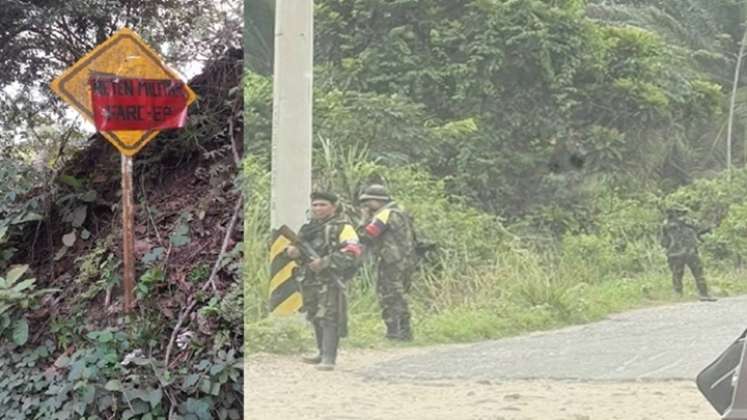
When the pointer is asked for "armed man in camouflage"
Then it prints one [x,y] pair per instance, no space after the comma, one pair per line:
[337,249]
[680,240]
[388,230]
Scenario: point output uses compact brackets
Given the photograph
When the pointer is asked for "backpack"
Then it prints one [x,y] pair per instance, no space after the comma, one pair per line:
[424,248]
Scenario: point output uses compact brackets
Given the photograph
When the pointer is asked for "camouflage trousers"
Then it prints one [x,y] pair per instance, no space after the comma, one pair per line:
[392,282]
[677,265]
[325,305]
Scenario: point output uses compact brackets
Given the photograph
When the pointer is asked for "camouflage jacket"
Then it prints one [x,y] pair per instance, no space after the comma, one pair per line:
[679,238]
[390,233]
[337,244]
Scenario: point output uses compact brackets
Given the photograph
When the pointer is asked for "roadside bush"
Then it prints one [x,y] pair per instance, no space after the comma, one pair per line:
[107,378]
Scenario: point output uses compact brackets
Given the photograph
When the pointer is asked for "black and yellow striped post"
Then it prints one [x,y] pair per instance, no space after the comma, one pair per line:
[285,298]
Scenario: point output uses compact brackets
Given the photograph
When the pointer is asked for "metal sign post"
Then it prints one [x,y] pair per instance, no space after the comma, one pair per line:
[128,233]
[124,88]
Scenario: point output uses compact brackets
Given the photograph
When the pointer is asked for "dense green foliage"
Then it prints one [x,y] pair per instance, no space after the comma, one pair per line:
[106,378]
[514,103]
[537,142]
[68,351]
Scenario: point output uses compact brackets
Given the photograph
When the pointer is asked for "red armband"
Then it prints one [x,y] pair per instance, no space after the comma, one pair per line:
[353,248]
[375,228]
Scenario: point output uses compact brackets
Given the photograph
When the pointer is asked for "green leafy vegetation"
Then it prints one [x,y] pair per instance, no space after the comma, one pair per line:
[536,142]
[68,351]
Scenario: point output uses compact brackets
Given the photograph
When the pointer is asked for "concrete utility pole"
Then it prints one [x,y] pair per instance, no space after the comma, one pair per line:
[292,103]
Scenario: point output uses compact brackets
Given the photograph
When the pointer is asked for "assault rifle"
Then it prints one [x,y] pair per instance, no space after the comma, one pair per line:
[304,248]
[308,254]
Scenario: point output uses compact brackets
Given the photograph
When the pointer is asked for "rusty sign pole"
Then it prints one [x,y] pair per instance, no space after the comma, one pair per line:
[128,232]
[87,88]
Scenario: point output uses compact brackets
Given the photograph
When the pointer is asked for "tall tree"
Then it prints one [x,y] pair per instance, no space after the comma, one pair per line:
[40,37]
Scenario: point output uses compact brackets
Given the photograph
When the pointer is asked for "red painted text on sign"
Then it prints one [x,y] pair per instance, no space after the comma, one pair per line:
[121,103]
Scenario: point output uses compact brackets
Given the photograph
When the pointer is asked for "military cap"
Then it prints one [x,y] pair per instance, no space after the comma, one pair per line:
[324,195]
[375,192]
[676,209]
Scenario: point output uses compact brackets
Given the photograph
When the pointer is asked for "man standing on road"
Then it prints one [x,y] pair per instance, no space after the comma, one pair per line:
[323,276]
[387,228]
[680,240]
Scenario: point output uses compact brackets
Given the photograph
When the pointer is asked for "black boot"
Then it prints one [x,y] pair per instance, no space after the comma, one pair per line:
[703,295]
[392,329]
[330,339]
[405,330]
[317,358]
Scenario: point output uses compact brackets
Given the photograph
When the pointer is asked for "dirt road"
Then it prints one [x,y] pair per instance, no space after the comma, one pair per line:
[633,366]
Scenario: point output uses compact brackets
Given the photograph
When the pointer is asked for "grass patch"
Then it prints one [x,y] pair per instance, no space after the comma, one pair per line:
[506,316]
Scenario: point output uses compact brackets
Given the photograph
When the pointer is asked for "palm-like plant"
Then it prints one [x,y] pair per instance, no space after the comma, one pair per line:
[708,36]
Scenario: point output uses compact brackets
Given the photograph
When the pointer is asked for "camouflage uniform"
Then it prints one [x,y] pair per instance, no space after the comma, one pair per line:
[390,234]
[680,239]
[324,301]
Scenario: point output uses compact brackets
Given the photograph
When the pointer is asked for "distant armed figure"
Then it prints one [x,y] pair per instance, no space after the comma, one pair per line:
[328,251]
[387,229]
[680,240]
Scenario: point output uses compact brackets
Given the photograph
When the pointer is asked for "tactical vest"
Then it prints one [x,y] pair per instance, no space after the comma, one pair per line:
[324,239]
[682,238]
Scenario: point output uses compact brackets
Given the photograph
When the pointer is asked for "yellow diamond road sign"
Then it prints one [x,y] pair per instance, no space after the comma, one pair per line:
[124,54]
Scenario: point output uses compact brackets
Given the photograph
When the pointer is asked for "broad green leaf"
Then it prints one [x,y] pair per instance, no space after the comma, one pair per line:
[89,196]
[205,386]
[104,404]
[28,217]
[179,240]
[215,389]
[154,255]
[182,229]
[105,337]
[71,181]
[76,370]
[62,361]
[113,385]
[88,394]
[69,239]
[61,253]
[20,287]
[198,407]
[191,380]
[79,216]
[20,331]
[80,408]
[216,368]
[15,273]
[154,397]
